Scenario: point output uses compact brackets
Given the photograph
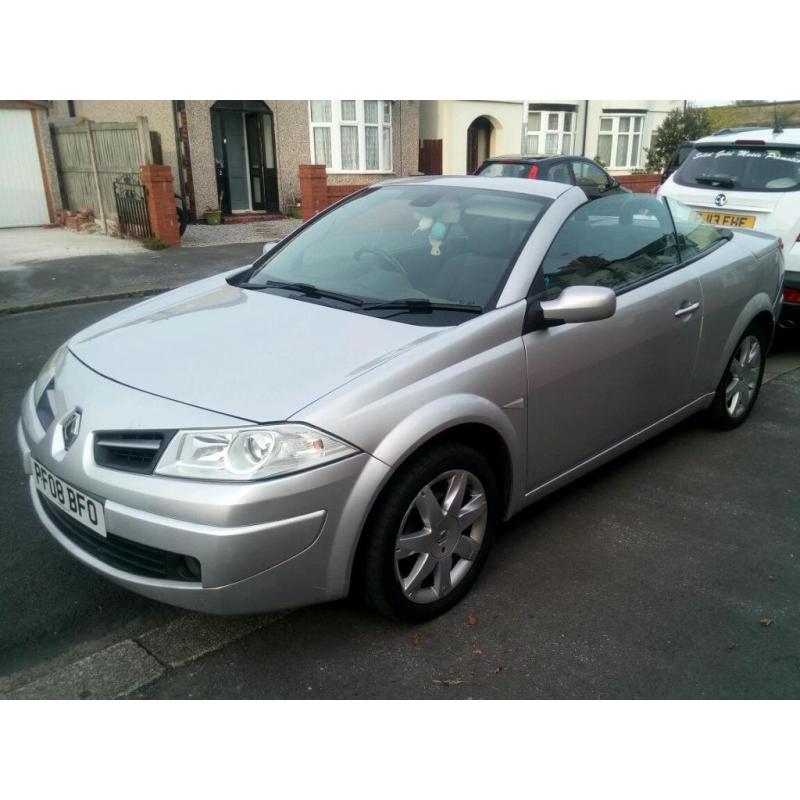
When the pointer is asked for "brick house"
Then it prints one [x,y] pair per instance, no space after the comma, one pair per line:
[243,155]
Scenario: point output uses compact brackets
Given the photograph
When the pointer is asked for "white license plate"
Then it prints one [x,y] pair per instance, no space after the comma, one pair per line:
[69,499]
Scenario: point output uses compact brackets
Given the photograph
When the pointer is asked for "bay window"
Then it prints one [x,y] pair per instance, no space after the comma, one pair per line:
[619,141]
[351,135]
[550,132]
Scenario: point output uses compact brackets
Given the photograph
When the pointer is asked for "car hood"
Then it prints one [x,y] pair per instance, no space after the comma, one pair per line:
[249,354]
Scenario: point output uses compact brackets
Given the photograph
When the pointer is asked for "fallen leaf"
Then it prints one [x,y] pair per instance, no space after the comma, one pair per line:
[477,652]
[730,646]
[766,622]
[447,681]
[416,638]
[472,620]
[497,669]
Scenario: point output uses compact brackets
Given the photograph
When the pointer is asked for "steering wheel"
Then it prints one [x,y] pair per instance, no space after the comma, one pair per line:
[393,263]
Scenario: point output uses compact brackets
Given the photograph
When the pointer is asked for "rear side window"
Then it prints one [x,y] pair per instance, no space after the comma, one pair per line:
[589,175]
[498,169]
[614,241]
[695,236]
[747,169]
[559,173]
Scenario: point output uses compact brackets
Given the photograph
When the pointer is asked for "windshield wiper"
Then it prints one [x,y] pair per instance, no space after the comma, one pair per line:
[422,304]
[308,289]
[721,180]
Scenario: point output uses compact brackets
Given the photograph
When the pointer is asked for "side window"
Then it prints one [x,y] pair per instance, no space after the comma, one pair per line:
[695,236]
[589,175]
[559,173]
[612,241]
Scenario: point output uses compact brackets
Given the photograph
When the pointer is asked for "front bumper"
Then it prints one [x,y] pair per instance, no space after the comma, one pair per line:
[262,545]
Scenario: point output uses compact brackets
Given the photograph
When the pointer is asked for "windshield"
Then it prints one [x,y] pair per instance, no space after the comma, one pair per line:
[426,243]
[504,169]
[746,168]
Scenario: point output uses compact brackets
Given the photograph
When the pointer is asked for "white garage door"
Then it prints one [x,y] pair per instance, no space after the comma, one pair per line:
[22,198]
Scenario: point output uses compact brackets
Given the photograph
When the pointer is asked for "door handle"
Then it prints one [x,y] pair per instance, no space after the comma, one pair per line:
[684,310]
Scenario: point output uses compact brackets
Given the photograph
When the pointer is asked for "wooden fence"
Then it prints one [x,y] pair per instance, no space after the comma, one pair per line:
[90,156]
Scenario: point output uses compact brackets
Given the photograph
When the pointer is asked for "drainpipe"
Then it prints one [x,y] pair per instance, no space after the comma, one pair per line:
[585,124]
[179,157]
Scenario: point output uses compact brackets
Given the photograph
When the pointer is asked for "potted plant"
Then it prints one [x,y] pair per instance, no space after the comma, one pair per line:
[295,209]
[212,216]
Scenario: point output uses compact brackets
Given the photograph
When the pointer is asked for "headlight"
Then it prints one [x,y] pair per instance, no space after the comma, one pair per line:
[49,370]
[246,454]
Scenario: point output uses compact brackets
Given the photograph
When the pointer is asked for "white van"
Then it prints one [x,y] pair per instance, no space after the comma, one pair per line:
[748,179]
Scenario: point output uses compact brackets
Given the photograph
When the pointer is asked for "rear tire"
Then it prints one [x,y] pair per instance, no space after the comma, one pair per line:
[738,390]
[430,535]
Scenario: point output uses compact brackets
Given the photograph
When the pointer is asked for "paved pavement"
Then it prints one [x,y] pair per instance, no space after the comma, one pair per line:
[20,246]
[672,572]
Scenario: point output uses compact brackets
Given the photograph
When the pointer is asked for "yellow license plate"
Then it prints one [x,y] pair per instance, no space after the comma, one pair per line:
[728,220]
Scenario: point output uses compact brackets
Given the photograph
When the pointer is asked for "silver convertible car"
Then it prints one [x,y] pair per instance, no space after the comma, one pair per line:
[362,407]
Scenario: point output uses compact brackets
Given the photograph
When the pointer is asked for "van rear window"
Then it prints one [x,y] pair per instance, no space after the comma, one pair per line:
[745,168]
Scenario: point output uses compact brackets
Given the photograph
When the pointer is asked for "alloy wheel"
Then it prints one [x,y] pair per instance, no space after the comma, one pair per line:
[440,536]
[745,370]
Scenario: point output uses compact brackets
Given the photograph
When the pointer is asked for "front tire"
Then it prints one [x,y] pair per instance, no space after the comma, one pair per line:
[738,390]
[431,533]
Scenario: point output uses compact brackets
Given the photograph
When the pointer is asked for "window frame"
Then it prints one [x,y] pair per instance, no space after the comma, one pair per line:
[544,130]
[337,123]
[615,133]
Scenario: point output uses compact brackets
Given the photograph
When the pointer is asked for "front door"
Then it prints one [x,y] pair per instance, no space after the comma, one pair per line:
[591,385]
[478,143]
[236,160]
[261,155]
[244,152]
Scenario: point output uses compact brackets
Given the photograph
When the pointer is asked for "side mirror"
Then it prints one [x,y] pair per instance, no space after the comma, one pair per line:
[580,304]
[268,246]
[574,304]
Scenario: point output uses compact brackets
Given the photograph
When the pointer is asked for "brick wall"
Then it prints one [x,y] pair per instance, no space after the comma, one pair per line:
[316,194]
[157,180]
[640,183]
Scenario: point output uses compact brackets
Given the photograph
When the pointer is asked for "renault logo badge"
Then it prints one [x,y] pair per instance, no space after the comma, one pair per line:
[71,428]
[720,199]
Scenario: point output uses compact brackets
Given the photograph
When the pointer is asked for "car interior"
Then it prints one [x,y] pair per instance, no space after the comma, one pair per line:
[444,246]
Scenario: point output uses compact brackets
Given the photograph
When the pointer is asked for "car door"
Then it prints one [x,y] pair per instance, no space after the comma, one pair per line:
[591,385]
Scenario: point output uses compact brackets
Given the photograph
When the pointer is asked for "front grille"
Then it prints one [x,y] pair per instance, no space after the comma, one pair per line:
[130,451]
[123,554]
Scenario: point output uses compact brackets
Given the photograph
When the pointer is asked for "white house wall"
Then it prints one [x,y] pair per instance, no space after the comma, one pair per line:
[449,120]
[656,110]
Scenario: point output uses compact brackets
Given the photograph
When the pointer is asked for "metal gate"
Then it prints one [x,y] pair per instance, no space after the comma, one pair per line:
[130,199]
